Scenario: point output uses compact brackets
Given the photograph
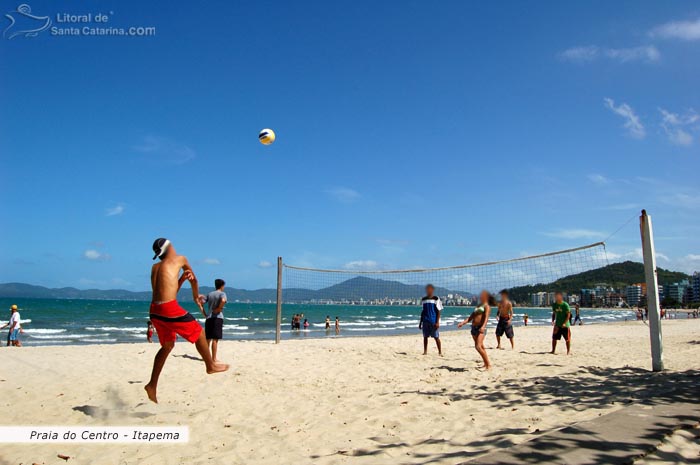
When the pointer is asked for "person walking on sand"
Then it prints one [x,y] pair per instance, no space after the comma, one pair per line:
[337,326]
[14,327]
[505,320]
[561,314]
[577,311]
[525,318]
[479,318]
[214,323]
[430,318]
[168,317]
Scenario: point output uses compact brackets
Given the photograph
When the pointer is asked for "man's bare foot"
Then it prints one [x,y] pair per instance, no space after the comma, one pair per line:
[488,367]
[552,352]
[151,392]
[440,354]
[425,353]
[217,368]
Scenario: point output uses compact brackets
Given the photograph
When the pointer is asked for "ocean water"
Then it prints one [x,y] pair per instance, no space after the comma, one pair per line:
[56,322]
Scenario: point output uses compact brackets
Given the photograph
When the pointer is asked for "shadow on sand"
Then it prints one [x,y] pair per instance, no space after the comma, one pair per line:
[587,388]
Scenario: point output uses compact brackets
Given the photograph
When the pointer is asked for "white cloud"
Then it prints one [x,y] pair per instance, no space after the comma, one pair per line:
[95,255]
[264,264]
[575,234]
[115,210]
[634,255]
[598,179]
[585,54]
[344,194]
[164,150]
[634,126]
[677,127]
[647,54]
[211,261]
[361,265]
[684,30]
[590,53]
[682,199]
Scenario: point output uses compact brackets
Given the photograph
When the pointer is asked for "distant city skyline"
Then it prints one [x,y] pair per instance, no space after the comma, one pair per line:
[406,137]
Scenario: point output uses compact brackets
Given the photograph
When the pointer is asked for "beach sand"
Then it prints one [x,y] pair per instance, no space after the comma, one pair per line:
[339,400]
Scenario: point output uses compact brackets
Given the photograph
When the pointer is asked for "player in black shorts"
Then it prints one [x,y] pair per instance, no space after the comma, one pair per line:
[505,320]
[561,315]
[214,324]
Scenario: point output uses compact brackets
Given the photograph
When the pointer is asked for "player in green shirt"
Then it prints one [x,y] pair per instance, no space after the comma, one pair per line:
[561,313]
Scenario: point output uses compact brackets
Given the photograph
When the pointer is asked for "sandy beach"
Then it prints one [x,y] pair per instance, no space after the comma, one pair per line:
[373,400]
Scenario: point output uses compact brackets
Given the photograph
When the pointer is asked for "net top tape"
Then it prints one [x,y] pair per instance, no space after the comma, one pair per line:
[456,267]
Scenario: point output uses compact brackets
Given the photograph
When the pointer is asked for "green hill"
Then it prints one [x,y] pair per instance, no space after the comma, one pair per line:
[617,275]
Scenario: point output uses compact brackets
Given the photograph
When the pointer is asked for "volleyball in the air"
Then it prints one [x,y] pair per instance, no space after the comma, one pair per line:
[266,136]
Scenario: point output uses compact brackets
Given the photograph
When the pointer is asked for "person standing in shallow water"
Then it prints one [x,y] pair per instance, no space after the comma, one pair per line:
[479,318]
[577,318]
[168,317]
[149,332]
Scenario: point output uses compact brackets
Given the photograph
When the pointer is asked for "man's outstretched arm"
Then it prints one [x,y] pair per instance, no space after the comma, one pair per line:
[192,278]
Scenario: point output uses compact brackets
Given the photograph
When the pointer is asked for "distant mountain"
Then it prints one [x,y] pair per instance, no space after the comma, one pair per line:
[365,288]
[28,291]
[617,275]
[20,290]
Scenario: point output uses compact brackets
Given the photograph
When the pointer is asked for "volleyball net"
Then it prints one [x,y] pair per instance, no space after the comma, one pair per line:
[456,285]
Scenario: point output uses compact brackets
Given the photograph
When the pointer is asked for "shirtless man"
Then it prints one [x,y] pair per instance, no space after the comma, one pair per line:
[171,320]
[505,320]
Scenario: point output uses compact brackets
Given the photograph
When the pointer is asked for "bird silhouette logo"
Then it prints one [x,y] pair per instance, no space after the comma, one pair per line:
[24,23]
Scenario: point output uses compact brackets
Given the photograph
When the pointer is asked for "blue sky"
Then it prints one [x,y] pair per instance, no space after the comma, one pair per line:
[408,134]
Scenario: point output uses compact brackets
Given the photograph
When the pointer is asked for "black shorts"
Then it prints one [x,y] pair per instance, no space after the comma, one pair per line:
[504,326]
[562,332]
[214,328]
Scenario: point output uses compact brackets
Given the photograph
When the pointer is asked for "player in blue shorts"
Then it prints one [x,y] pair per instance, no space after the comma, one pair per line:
[430,318]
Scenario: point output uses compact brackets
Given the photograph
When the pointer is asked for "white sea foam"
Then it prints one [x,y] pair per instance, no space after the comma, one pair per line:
[115,328]
[235,327]
[33,331]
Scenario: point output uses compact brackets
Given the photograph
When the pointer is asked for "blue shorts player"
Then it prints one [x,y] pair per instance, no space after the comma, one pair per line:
[430,318]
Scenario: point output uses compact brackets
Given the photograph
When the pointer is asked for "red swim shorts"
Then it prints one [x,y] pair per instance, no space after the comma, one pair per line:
[171,320]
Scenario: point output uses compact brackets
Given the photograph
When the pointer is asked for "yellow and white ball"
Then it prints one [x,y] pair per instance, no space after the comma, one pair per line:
[266,136]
